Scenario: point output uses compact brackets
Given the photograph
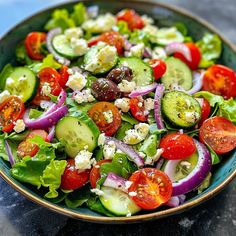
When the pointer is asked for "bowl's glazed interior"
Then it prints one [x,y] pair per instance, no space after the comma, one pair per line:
[164,16]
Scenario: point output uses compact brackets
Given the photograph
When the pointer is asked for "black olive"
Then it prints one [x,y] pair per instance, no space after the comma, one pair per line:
[120,73]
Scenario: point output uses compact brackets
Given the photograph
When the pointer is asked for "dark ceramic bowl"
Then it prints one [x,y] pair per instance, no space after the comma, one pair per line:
[165,15]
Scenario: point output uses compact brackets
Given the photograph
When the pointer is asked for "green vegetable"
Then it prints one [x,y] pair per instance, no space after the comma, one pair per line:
[3,152]
[21,54]
[182,28]
[205,184]
[120,134]
[214,157]
[6,71]
[138,36]
[34,114]
[154,130]
[15,137]
[128,118]
[79,15]
[122,27]
[149,146]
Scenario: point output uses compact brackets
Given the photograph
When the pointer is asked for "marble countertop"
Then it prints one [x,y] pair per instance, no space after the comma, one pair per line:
[19,216]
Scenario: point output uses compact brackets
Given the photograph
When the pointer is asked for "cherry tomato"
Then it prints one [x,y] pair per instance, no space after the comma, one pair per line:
[52,77]
[219,133]
[112,38]
[71,178]
[64,76]
[33,44]
[26,148]
[158,67]
[133,20]
[137,109]
[11,110]
[95,173]
[220,80]
[153,188]
[205,111]
[177,146]
[195,54]
[99,113]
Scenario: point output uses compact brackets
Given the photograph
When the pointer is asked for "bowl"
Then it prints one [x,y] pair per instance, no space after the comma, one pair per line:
[165,15]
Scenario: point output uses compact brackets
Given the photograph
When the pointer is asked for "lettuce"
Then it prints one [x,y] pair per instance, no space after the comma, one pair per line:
[122,28]
[139,36]
[79,15]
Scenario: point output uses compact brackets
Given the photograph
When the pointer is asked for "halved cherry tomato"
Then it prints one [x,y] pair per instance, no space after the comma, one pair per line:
[11,110]
[71,178]
[205,111]
[137,109]
[153,188]
[33,44]
[64,76]
[27,148]
[52,77]
[177,146]
[195,54]
[221,80]
[133,20]
[98,114]
[158,67]
[112,38]
[95,173]
[219,133]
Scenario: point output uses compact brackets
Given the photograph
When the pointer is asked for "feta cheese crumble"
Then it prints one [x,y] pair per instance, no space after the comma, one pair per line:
[137,50]
[108,115]
[76,81]
[123,104]
[79,46]
[97,191]
[191,116]
[4,95]
[159,53]
[147,20]
[150,160]
[109,150]
[84,96]
[84,160]
[149,104]
[127,86]
[75,32]
[46,89]
[101,139]
[19,126]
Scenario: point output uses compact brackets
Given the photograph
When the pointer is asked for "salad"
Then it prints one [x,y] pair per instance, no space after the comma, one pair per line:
[116,113]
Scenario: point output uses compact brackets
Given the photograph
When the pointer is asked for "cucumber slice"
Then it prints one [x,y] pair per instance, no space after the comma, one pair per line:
[118,202]
[76,133]
[142,72]
[62,45]
[22,82]
[165,36]
[181,109]
[177,73]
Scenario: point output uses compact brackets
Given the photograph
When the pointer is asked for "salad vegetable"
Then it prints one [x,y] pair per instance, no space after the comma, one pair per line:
[116,113]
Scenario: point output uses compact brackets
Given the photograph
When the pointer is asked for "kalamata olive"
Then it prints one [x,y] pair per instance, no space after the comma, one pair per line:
[105,90]
[119,74]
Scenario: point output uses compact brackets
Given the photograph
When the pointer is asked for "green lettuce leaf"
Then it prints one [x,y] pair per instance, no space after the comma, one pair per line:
[6,71]
[210,97]
[138,36]
[79,14]
[122,28]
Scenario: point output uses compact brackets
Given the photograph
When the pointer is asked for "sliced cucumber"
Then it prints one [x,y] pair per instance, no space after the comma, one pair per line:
[142,72]
[181,109]
[118,202]
[166,36]
[177,73]
[76,133]
[62,45]
[22,82]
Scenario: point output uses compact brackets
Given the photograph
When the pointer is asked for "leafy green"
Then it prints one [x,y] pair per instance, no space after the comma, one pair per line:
[210,97]
[150,144]
[205,184]
[154,130]
[75,107]
[21,54]
[138,36]
[15,137]
[6,71]
[3,152]
[214,157]
[122,28]
[34,113]
[120,134]
[79,14]
[52,177]
[61,196]
[128,118]
[182,28]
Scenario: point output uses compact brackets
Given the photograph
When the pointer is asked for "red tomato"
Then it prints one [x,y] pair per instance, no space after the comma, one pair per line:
[195,54]
[95,173]
[220,80]
[177,146]
[153,188]
[219,133]
[64,76]
[137,109]
[71,178]
[159,68]
[205,111]
[52,77]
[33,44]
[112,38]
[11,110]
[27,148]
[133,20]
[97,111]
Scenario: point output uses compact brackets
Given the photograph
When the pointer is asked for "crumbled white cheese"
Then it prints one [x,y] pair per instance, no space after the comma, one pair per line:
[128,214]
[97,191]
[101,24]
[132,194]
[101,139]
[150,160]
[191,116]
[79,46]
[109,150]
[147,20]
[123,104]
[128,184]
[137,50]
[127,86]
[159,53]
[108,115]
[76,81]
[46,89]
[10,81]
[150,30]
[149,104]
[84,96]
[4,95]
[84,160]
[75,32]
[19,126]
[142,129]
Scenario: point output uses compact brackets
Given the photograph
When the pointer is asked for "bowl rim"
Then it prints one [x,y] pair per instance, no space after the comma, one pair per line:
[135,218]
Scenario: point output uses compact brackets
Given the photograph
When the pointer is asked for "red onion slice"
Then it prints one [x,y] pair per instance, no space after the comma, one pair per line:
[51,133]
[179,47]
[176,201]
[147,53]
[9,153]
[197,82]
[45,120]
[50,35]
[195,178]
[143,90]
[157,106]
[115,181]
[135,157]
